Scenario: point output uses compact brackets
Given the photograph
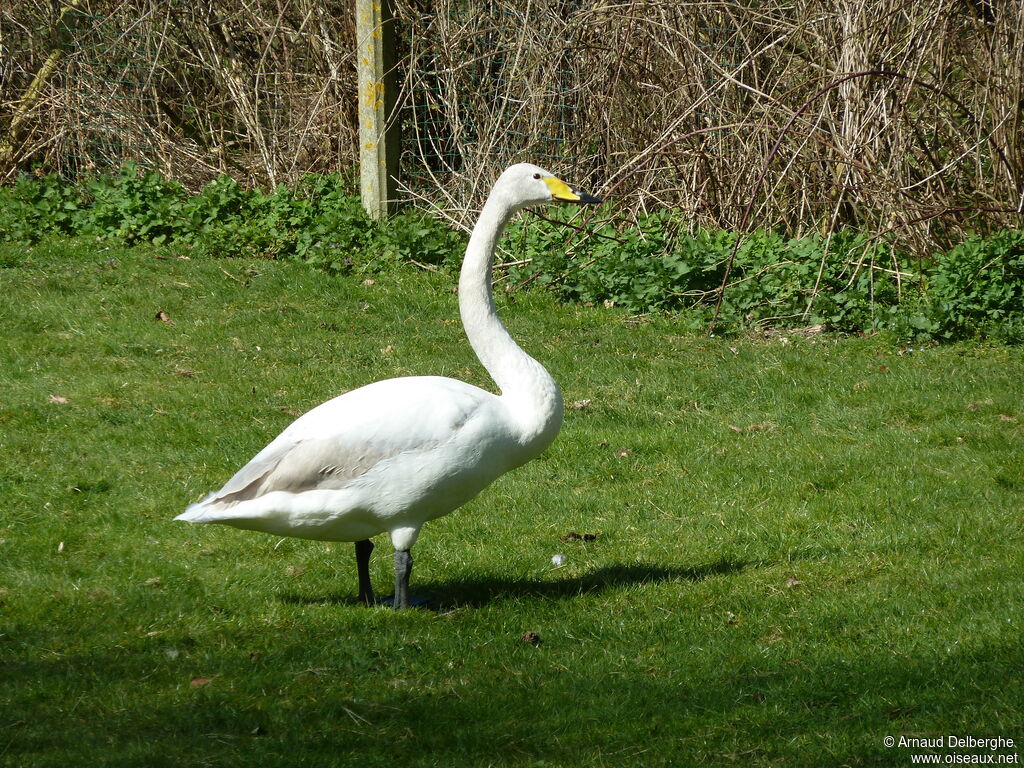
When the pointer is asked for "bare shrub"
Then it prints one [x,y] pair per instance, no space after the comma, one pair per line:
[259,89]
[901,118]
[685,104]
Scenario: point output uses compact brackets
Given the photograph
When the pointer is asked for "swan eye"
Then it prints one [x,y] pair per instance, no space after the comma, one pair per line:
[536,175]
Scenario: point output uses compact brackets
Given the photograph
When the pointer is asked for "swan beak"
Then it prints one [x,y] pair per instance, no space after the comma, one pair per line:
[564,193]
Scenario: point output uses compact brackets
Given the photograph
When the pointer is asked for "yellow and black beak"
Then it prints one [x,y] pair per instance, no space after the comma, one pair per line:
[564,193]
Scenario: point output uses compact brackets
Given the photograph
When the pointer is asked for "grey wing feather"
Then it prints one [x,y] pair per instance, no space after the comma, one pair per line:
[296,466]
[246,482]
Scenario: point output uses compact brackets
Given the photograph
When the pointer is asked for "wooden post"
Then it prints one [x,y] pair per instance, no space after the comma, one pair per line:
[379,131]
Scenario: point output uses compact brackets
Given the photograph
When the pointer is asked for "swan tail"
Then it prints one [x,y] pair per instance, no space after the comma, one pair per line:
[209,510]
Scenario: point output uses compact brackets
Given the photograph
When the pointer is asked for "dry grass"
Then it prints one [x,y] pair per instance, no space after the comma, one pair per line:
[260,90]
[896,117]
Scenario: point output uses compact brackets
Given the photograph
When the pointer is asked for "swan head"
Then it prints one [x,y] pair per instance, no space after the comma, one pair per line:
[527,184]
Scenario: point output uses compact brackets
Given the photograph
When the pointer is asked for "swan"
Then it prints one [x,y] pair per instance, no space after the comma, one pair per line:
[389,456]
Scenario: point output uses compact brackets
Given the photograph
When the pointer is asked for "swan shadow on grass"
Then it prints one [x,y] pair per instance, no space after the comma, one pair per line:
[475,592]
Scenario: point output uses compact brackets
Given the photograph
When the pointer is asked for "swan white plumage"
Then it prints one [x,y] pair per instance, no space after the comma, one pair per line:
[391,455]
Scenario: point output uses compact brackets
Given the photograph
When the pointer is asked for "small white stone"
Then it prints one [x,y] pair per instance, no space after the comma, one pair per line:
[558,561]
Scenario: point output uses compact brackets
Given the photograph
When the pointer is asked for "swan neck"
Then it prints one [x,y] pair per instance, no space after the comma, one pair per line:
[523,382]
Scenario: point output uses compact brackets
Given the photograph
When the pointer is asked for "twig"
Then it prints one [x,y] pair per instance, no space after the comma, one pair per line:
[237,280]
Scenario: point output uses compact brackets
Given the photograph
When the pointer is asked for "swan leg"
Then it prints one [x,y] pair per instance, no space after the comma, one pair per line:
[403,567]
[363,550]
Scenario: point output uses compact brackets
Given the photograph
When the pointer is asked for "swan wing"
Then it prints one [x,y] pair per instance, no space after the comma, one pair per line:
[344,438]
[301,465]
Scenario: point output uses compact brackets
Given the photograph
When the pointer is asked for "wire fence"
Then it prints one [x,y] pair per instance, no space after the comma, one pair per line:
[117,114]
[447,98]
[902,118]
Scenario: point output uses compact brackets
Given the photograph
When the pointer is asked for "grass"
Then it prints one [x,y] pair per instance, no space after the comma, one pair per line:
[804,544]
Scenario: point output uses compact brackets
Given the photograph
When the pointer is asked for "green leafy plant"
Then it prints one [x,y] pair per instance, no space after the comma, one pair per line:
[416,236]
[977,288]
[851,282]
[33,207]
[847,282]
[131,206]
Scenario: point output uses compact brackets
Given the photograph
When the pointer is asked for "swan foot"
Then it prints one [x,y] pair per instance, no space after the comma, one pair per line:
[364,549]
[412,601]
[403,567]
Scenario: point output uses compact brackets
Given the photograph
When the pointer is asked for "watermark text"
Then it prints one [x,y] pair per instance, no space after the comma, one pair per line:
[957,750]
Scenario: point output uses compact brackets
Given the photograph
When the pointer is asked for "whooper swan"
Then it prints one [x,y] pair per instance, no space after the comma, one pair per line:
[392,455]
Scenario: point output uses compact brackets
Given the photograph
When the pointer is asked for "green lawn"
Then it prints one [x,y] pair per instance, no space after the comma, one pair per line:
[804,544]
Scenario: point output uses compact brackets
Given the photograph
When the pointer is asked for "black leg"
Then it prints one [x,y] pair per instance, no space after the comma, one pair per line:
[363,550]
[403,567]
